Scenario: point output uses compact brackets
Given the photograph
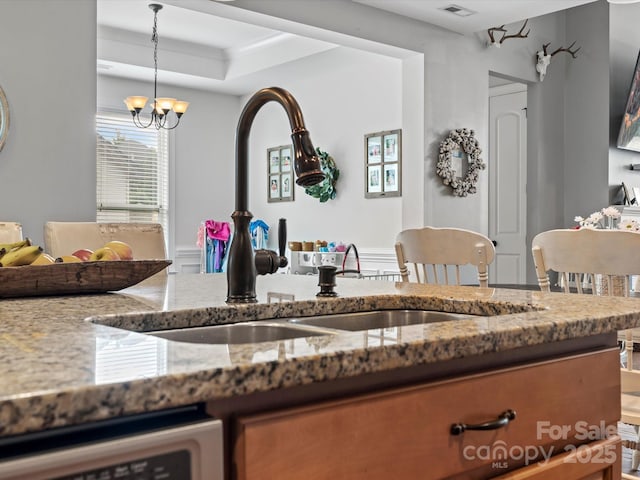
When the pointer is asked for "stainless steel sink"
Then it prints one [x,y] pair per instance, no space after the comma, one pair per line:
[248,332]
[378,319]
[273,331]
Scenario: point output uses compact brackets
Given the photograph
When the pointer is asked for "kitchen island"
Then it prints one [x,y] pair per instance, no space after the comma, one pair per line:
[78,359]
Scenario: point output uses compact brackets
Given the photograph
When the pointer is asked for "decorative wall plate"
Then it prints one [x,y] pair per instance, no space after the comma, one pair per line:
[4,118]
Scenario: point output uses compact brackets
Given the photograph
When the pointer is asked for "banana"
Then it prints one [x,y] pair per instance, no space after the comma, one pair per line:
[19,244]
[43,259]
[21,256]
[67,259]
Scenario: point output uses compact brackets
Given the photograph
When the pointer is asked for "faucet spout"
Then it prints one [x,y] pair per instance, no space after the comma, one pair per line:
[241,269]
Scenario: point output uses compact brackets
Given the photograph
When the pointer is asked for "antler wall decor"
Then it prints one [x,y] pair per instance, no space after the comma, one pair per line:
[544,57]
[497,43]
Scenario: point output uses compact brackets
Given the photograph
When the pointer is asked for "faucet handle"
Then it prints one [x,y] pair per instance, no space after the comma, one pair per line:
[268,261]
[282,241]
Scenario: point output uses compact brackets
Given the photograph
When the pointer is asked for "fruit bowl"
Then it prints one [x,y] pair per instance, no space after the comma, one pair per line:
[76,278]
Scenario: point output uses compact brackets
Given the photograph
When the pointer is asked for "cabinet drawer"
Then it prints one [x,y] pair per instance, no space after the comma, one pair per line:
[595,461]
[406,433]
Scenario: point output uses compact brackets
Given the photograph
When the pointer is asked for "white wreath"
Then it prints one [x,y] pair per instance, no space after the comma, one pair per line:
[460,138]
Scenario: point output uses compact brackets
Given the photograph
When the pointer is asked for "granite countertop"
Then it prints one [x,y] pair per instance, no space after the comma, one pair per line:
[64,363]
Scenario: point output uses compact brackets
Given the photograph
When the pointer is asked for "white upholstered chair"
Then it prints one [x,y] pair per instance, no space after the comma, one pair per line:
[600,262]
[64,238]
[10,232]
[438,253]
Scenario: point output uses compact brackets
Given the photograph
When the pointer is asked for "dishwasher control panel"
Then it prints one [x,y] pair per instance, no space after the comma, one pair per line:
[168,466]
[191,450]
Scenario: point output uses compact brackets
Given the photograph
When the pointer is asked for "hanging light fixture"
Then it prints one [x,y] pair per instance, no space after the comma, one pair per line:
[160,107]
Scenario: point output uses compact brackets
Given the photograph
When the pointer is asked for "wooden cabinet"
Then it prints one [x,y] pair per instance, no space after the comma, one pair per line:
[562,408]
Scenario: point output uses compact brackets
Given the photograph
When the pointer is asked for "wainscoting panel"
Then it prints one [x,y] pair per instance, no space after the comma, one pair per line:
[188,260]
[373,261]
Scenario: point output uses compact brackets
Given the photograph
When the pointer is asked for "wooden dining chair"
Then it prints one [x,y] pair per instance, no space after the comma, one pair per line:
[10,232]
[437,254]
[597,262]
[587,260]
[64,238]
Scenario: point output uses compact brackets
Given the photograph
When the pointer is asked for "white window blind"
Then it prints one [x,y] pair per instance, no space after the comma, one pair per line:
[132,172]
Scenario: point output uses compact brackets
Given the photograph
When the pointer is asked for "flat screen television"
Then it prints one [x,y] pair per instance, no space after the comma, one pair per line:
[629,135]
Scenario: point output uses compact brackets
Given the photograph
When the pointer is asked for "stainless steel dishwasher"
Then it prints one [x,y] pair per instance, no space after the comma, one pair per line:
[181,444]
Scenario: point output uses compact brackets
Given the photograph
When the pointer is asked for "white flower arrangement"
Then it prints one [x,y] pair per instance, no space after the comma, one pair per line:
[461,138]
[630,225]
[606,218]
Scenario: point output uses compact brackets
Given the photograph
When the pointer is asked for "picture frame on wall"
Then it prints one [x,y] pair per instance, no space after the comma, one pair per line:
[391,147]
[285,160]
[629,133]
[374,149]
[391,177]
[286,186]
[383,164]
[628,198]
[274,161]
[374,185]
[636,195]
[274,186]
[280,183]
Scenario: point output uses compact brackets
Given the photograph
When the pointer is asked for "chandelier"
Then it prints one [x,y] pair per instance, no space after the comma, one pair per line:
[160,107]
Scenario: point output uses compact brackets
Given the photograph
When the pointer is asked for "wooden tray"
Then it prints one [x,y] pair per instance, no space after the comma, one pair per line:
[75,278]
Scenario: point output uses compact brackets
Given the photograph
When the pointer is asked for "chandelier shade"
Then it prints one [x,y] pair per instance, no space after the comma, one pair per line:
[161,107]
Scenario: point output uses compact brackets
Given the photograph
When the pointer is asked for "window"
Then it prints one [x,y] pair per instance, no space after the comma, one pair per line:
[132,172]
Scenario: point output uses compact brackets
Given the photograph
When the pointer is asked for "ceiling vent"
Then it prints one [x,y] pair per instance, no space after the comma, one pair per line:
[458,10]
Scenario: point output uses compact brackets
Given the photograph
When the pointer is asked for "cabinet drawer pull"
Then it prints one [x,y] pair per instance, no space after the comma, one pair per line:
[503,420]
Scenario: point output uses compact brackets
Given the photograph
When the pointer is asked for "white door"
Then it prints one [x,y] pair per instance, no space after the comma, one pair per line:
[508,183]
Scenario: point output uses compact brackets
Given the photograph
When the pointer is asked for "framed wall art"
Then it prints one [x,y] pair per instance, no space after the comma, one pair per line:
[280,186]
[383,164]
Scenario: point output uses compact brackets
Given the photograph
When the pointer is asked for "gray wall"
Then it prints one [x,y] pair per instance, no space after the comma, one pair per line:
[48,72]
[586,112]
